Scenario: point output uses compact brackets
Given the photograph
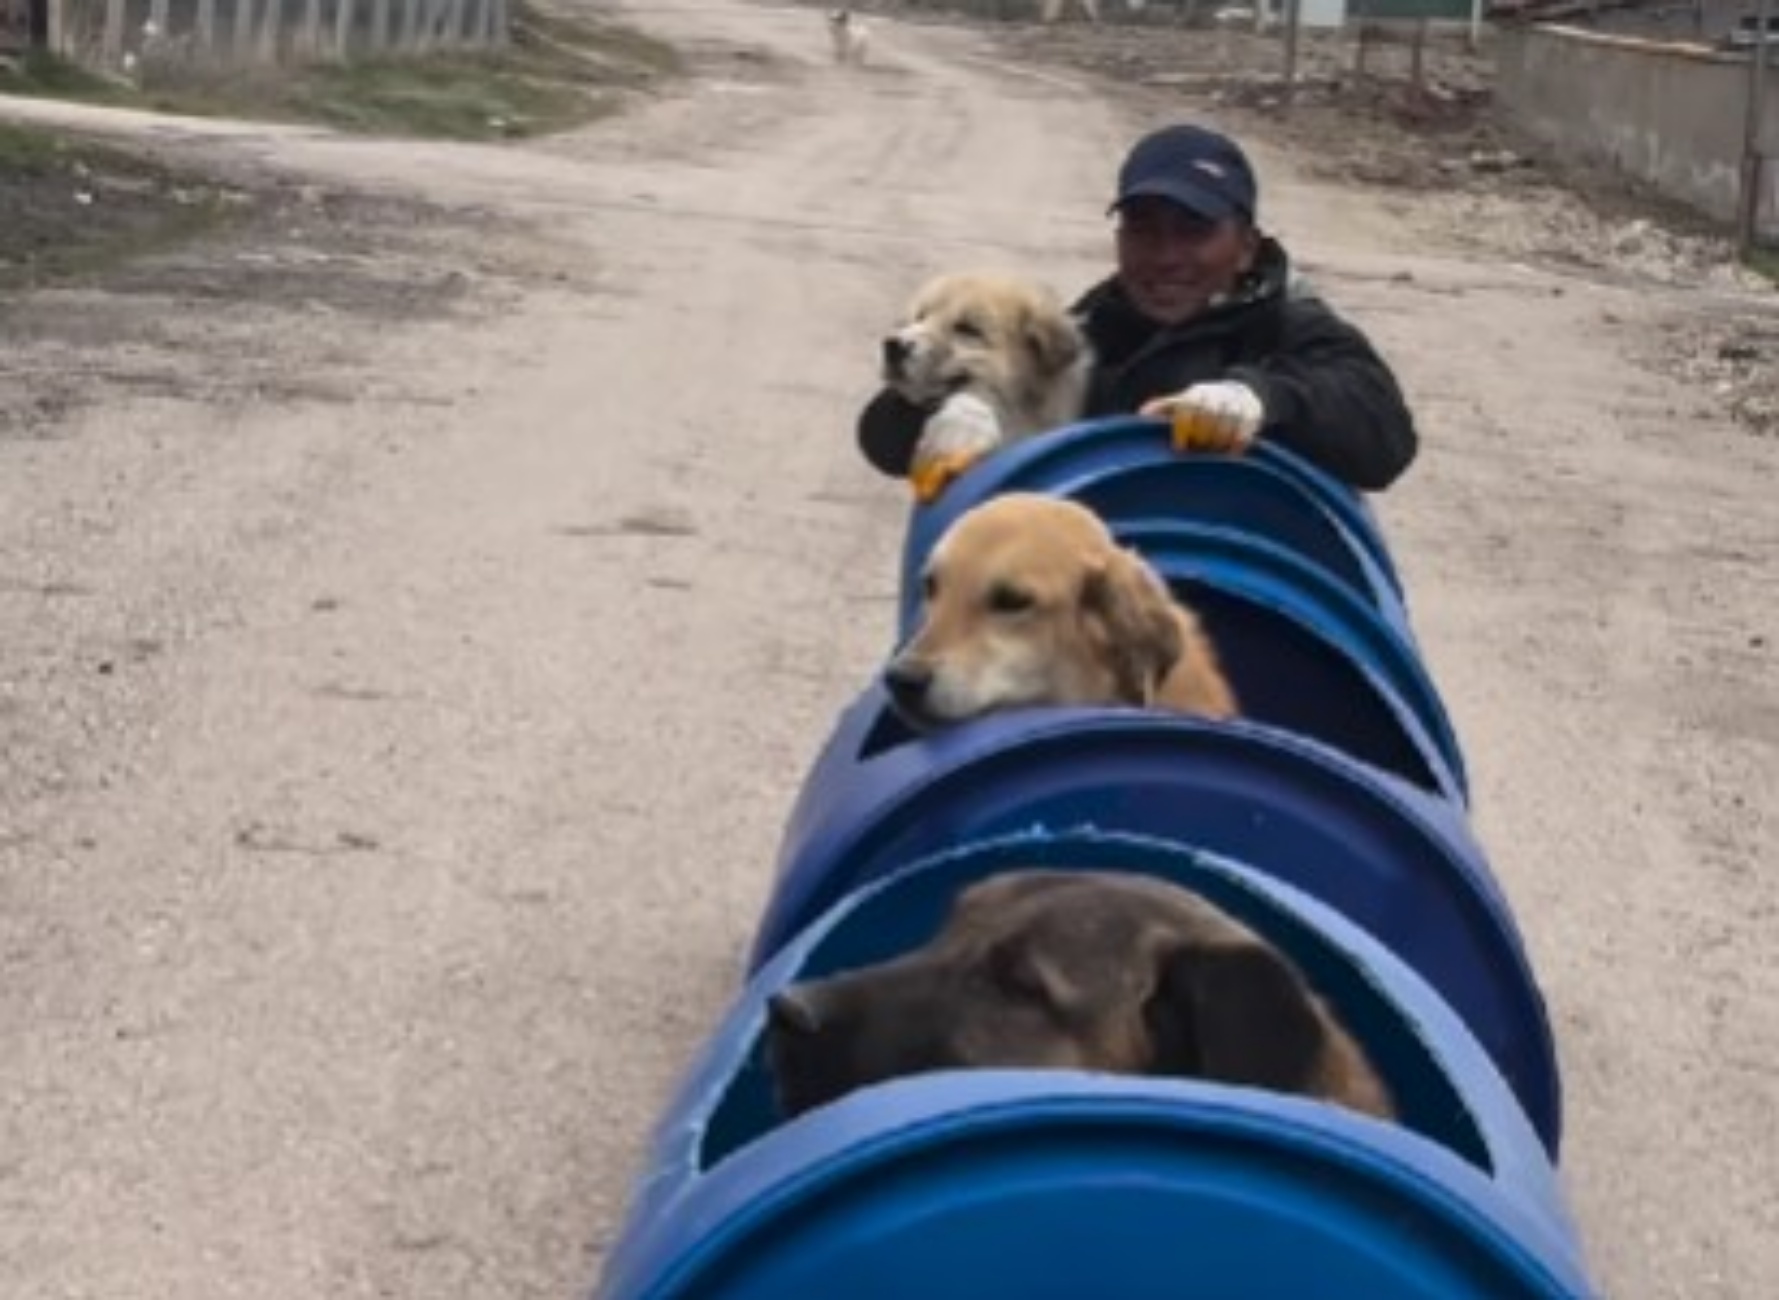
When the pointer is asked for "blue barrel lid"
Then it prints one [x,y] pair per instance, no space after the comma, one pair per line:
[1030,1188]
[1239,563]
[1065,1184]
[1252,493]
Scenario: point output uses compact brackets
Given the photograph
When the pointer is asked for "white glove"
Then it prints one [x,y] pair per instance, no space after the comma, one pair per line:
[1222,416]
[956,436]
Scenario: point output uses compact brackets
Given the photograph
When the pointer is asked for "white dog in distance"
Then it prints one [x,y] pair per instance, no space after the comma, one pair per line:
[850,37]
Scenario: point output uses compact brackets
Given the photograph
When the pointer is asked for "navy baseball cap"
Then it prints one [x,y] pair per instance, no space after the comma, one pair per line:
[1194,167]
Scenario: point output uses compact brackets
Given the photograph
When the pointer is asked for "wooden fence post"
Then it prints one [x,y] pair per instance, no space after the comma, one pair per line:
[271,27]
[243,33]
[1759,64]
[111,45]
[1293,28]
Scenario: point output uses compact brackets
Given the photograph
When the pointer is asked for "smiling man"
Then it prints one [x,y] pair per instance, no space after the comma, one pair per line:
[1204,324]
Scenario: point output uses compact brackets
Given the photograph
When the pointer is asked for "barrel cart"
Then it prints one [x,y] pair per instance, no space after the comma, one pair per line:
[1332,817]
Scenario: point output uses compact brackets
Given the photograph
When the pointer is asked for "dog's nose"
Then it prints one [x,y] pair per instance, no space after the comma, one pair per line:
[792,1013]
[908,681]
[895,353]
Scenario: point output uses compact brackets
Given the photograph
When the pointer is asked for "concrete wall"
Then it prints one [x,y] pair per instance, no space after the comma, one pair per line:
[1667,114]
[1323,15]
[1703,21]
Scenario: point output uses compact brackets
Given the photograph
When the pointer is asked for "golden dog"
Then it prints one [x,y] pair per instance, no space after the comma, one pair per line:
[1029,600]
[1100,971]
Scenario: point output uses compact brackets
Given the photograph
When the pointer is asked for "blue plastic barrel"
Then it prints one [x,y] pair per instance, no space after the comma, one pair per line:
[1252,493]
[1059,1185]
[1074,461]
[1302,650]
[1397,860]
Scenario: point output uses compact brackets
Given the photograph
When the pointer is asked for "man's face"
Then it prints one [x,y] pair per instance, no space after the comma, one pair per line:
[1173,262]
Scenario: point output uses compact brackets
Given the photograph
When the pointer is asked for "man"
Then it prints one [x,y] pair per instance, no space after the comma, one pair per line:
[1203,324]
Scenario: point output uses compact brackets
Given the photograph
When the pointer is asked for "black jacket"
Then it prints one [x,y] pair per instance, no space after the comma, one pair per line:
[1328,395]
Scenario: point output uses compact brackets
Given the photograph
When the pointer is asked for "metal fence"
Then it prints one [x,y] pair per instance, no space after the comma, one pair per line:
[1069,11]
[129,36]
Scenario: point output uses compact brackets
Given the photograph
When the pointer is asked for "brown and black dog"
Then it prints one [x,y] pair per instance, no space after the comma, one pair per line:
[1030,600]
[1105,971]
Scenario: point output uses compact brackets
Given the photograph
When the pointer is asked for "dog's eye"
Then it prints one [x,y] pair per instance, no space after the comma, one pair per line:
[1004,599]
[969,327]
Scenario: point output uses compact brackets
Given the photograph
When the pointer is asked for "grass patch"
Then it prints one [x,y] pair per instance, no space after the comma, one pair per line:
[556,72]
[70,208]
[48,76]
[25,152]
[1765,261]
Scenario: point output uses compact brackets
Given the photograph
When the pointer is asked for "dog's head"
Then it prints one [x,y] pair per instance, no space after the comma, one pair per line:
[1073,970]
[1001,336]
[1029,600]
[839,17]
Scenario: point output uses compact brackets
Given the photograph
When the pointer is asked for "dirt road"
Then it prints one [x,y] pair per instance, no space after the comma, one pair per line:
[418,620]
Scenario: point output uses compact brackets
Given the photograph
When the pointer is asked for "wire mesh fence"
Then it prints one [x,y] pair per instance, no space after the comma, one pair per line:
[130,35]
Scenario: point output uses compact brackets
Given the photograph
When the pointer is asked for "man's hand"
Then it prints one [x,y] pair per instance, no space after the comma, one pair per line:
[957,435]
[1223,416]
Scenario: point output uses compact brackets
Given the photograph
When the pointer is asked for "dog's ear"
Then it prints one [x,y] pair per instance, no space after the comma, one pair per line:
[1021,970]
[1053,339]
[1234,1011]
[1131,618]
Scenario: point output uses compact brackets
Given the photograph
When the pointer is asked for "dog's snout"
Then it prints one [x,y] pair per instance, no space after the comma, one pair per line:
[908,681]
[792,1013]
[896,351]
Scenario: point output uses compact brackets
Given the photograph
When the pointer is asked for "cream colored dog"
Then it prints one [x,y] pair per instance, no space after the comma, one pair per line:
[849,36]
[1054,10]
[997,355]
[1029,600]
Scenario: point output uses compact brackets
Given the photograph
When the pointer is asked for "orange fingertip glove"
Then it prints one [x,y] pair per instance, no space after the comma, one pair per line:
[930,478]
